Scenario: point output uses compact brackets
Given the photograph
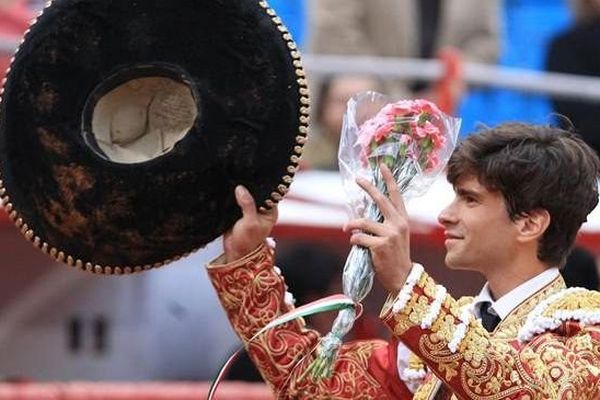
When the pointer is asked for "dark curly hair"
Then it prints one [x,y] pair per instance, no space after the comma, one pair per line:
[535,167]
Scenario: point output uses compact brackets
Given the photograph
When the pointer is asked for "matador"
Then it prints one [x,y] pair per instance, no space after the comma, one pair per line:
[522,193]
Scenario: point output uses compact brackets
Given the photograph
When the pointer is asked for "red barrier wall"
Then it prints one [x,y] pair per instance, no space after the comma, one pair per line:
[131,391]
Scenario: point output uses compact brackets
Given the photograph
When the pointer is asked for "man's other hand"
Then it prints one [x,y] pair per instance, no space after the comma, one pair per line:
[249,231]
[388,241]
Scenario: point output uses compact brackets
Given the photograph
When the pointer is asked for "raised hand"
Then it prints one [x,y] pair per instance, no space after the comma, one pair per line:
[388,241]
[249,231]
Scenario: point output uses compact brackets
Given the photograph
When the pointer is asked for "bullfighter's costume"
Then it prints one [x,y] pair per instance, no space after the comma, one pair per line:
[548,347]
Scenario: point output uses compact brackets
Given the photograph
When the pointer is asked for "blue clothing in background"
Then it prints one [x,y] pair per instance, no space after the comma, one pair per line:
[293,16]
[528,26]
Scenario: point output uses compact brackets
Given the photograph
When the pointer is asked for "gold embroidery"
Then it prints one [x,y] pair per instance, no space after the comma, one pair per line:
[443,328]
[417,310]
[253,295]
[585,301]
[474,345]
[496,366]
[509,327]
[427,388]
[415,362]
[428,285]
[349,380]
[401,325]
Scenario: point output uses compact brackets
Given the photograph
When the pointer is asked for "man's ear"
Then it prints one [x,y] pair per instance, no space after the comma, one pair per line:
[533,224]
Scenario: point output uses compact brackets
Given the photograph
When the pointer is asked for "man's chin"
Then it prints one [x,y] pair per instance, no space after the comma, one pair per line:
[454,264]
[453,267]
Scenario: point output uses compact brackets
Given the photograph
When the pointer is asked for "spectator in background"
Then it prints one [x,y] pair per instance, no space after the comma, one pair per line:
[392,28]
[15,16]
[581,270]
[577,51]
[405,28]
[321,150]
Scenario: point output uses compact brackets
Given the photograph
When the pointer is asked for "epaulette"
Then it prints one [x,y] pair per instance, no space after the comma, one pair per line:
[573,304]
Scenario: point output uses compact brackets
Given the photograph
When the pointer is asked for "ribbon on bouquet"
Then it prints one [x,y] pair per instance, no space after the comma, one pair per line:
[335,302]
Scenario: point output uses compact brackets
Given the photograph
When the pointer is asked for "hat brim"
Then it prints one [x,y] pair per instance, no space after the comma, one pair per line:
[109,217]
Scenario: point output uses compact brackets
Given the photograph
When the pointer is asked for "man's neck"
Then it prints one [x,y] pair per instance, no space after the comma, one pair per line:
[503,280]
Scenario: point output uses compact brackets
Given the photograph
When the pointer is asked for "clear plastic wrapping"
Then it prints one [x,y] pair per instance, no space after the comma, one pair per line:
[414,139]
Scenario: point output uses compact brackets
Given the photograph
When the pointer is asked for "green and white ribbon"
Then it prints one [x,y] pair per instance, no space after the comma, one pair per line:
[335,302]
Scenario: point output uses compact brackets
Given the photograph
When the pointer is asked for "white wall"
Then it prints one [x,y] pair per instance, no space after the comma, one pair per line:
[162,324]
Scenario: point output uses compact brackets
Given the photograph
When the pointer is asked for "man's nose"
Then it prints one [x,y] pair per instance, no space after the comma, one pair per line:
[447,216]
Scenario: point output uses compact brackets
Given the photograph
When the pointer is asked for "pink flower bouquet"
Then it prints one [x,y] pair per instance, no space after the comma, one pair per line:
[414,139]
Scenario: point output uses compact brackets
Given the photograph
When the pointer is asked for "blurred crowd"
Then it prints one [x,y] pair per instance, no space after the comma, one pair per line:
[478,31]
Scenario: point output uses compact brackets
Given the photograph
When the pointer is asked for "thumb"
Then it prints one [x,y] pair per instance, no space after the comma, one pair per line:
[245,200]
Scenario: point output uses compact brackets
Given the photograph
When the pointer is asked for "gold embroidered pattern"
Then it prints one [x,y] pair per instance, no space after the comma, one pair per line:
[559,365]
[586,300]
[509,327]
[349,381]
[426,389]
[253,295]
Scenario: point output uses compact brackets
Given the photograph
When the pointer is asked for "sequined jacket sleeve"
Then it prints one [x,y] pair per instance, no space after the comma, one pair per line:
[556,356]
[253,293]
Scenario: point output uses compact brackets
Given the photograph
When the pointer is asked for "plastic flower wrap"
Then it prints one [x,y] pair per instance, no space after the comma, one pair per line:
[414,139]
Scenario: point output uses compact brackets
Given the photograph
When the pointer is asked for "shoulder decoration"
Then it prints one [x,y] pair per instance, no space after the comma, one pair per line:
[573,304]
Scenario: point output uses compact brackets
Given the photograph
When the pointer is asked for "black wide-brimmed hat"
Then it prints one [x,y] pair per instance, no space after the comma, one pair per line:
[125,126]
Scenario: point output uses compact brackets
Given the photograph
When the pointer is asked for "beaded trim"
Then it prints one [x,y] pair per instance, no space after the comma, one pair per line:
[411,374]
[466,316]
[411,368]
[304,118]
[435,308]
[406,292]
[537,322]
[275,196]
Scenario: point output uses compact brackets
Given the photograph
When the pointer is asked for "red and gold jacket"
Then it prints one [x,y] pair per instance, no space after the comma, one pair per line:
[547,348]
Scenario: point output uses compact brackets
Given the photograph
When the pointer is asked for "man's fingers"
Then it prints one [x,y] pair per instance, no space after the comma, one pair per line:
[364,240]
[392,187]
[366,225]
[384,204]
[245,201]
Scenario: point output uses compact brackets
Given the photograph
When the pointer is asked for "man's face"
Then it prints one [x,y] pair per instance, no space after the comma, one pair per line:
[478,231]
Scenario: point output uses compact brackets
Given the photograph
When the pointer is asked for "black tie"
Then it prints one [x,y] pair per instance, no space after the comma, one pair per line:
[489,320]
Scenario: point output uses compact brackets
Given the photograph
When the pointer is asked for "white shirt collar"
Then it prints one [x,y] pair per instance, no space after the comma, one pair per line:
[504,305]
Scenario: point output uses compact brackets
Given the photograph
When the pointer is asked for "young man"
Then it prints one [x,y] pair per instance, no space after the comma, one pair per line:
[522,192]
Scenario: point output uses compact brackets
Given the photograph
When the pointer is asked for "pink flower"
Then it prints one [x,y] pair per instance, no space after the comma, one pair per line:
[364,137]
[402,108]
[433,161]
[366,132]
[409,123]
[365,152]
[438,141]
[383,131]
[388,109]
[425,106]
[413,126]
[427,130]
[406,139]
